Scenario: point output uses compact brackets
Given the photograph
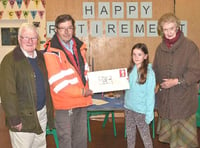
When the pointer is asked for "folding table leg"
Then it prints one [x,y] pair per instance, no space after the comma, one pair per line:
[105,119]
[113,120]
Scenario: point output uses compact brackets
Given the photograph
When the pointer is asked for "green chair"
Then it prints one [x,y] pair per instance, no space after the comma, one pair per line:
[153,128]
[198,112]
[54,133]
[94,113]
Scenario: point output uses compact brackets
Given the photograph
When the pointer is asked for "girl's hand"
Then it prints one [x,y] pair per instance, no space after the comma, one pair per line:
[157,88]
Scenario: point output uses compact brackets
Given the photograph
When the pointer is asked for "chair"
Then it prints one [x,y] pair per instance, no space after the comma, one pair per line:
[198,112]
[54,133]
[94,113]
[153,128]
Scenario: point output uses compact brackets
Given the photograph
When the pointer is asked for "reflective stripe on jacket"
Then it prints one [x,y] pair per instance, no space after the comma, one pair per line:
[66,83]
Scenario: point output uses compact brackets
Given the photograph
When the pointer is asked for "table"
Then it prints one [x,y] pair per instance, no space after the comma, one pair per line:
[114,104]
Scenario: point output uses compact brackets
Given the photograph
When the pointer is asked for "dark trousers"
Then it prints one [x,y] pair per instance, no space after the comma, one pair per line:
[71,127]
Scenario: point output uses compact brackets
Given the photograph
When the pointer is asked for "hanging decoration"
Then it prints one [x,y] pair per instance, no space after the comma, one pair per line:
[11,14]
[12,2]
[18,14]
[25,13]
[33,14]
[4,2]
[19,3]
[29,10]
[1,14]
[26,2]
[41,13]
[36,3]
[43,3]
[36,24]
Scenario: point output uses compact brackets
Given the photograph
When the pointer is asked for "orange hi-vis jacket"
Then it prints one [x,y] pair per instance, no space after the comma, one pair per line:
[66,82]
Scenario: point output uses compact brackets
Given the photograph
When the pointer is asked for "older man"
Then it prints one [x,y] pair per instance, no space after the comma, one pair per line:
[25,92]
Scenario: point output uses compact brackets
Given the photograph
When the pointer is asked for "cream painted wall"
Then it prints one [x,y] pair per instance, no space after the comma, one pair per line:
[8,23]
[9,18]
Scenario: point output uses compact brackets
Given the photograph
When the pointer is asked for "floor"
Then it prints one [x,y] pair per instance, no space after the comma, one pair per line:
[101,137]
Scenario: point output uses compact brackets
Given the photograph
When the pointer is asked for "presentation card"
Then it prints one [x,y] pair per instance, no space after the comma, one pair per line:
[108,80]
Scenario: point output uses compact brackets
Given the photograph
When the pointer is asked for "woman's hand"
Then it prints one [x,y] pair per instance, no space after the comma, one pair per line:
[168,83]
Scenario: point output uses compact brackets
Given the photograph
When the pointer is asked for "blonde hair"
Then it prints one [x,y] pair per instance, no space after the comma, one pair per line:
[168,17]
[27,26]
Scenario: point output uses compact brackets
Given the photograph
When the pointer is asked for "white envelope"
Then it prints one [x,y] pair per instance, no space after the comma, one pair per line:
[108,80]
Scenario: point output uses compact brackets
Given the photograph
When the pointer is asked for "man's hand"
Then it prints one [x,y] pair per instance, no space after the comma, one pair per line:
[18,127]
[87,92]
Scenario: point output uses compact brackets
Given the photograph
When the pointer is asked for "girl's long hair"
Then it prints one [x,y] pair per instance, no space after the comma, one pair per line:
[142,71]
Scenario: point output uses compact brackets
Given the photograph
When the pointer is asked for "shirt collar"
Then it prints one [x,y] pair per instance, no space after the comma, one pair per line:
[68,46]
[27,55]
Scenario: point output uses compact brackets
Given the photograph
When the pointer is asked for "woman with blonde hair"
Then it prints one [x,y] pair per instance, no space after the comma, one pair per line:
[177,69]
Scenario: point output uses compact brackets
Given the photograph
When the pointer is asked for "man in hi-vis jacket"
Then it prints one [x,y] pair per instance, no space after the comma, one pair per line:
[67,74]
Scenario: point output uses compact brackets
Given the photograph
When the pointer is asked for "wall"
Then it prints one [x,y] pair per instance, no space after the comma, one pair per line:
[13,14]
[107,52]
[110,52]
[190,11]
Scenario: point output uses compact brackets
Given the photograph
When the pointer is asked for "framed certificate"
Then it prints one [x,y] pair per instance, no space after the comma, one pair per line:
[108,80]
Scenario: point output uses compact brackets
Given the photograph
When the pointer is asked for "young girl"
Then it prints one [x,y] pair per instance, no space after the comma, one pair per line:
[140,98]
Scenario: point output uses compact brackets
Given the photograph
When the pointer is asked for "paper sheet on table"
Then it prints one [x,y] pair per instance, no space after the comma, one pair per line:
[98,102]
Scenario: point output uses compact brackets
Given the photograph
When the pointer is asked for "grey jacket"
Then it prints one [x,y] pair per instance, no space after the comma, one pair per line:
[18,92]
[181,61]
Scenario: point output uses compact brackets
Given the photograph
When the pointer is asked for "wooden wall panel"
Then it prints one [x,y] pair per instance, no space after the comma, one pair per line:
[189,11]
[109,52]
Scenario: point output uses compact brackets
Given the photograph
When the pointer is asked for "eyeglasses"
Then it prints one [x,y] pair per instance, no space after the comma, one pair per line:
[66,29]
[26,39]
